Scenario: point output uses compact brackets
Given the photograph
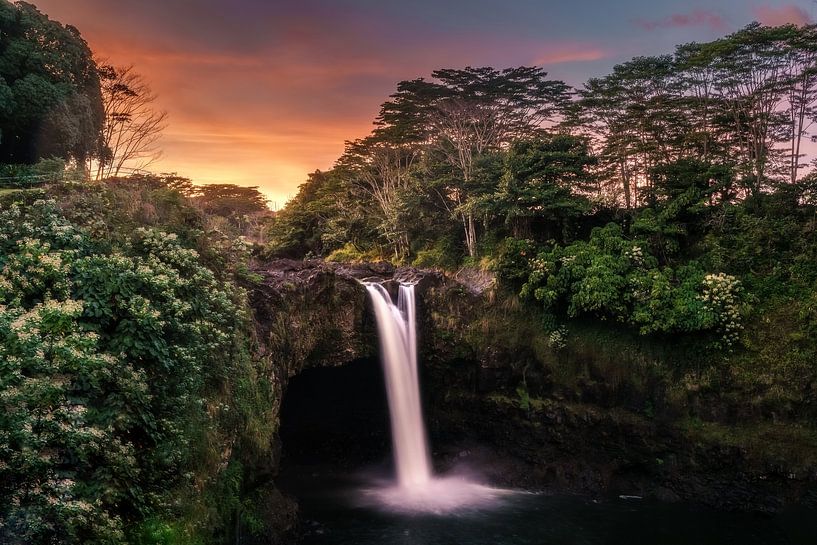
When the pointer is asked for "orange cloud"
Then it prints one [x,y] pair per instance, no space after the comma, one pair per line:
[776,16]
[561,54]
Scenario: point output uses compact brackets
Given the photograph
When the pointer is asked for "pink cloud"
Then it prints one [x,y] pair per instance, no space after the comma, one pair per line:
[783,15]
[571,54]
[699,17]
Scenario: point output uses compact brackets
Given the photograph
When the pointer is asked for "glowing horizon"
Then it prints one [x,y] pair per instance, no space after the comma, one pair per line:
[263,93]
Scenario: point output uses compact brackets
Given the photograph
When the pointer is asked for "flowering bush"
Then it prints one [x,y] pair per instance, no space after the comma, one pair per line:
[64,459]
[721,297]
[108,361]
[557,339]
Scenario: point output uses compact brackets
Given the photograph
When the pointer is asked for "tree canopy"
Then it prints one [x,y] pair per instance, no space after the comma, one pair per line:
[50,100]
[491,152]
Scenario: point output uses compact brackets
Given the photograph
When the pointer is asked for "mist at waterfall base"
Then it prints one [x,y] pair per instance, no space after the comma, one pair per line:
[416,489]
[406,504]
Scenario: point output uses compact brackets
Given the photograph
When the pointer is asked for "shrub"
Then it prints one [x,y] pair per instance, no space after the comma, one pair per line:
[513,262]
[350,253]
[443,254]
[612,277]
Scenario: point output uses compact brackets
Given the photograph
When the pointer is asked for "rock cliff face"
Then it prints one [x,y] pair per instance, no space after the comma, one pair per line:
[492,395]
[590,439]
[316,314]
[312,314]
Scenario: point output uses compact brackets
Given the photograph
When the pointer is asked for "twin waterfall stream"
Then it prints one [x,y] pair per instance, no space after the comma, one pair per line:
[417,488]
[397,329]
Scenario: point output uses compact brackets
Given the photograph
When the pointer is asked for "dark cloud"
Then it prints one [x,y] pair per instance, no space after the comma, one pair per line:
[699,17]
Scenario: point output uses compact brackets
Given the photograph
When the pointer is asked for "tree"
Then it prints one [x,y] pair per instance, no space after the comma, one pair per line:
[381,168]
[636,116]
[751,82]
[133,125]
[50,101]
[542,179]
[801,71]
[466,113]
[230,199]
[327,213]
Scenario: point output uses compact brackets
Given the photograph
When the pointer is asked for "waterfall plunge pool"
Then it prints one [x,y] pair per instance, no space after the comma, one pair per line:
[338,464]
[336,446]
[331,514]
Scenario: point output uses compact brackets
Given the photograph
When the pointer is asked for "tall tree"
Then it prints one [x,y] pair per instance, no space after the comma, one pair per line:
[751,81]
[380,165]
[637,118]
[543,179]
[133,125]
[463,114]
[50,101]
[801,72]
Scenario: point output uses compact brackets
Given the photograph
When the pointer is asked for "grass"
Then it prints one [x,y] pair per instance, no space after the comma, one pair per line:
[795,443]
[9,190]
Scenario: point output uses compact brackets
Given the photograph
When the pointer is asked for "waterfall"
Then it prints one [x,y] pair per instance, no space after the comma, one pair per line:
[397,330]
[417,490]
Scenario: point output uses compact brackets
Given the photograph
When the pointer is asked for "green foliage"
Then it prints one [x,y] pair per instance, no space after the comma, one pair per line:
[350,254]
[773,250]
[24,176]
[49,86]
[443,254]
[230,200]
[123,361]
[157,532]
[524,397]
[513,262]
[323,216]
[541,179]
[612,277]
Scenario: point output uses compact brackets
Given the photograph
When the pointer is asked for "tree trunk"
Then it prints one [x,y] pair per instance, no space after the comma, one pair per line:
[470,234]
[625,183]
[521,227]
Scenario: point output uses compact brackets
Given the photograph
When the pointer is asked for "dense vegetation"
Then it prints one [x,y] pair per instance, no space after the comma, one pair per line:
[661,145]
[126,366]
[50,97]
[665,203]
[670,199]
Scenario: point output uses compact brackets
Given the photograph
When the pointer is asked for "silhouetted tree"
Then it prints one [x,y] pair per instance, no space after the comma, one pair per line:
[133,125]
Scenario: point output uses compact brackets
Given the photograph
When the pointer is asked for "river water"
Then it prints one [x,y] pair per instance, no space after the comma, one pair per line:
[335,511]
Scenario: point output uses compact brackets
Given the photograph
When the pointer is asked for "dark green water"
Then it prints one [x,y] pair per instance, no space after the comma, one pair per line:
[332,515]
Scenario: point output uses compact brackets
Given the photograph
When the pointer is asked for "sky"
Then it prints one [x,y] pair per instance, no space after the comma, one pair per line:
[262,92]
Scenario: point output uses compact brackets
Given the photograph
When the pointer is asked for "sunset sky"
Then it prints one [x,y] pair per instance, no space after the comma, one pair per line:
[261,92]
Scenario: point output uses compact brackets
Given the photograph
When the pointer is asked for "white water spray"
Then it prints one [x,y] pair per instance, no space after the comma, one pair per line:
[417,489]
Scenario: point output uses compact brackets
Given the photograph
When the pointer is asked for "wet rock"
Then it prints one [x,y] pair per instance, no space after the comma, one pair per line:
[315,313]
[666,495]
